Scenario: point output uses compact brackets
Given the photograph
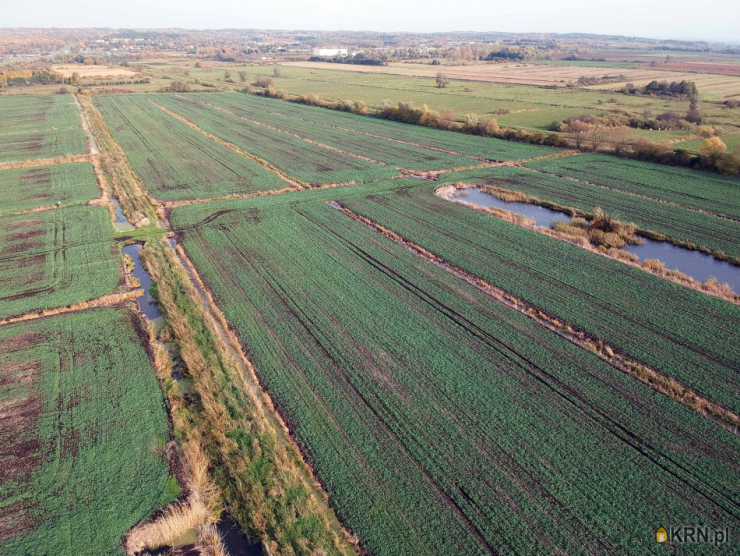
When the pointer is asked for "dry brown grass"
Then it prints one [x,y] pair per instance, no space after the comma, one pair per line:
[104,301]
[176,520]
[175,204]
[69,159]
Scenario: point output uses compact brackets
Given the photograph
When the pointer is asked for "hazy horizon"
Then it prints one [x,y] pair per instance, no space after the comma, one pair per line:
[632,18]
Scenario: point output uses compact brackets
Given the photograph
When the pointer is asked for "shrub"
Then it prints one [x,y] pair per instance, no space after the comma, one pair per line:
[263,82]
[492,128]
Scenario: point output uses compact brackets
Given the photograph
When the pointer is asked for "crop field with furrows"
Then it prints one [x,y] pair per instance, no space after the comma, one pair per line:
[482,147]
[689,188]
[23,114]
[685,335]
[55,258]
[701,229]
[45,144]
[392,153]
[174,161]
[83,431]
[296,157]
[412,394]
[40,186]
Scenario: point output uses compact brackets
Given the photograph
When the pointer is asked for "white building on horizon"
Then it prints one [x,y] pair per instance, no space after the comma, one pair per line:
[329,51]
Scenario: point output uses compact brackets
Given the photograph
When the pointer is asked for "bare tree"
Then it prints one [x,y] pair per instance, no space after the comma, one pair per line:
[243,76]
[619,138]
[277,71]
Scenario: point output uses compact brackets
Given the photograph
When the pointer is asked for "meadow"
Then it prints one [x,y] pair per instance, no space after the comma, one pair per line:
[174,161]
[83,429]
[55,258]
[25,189]
[711,86]
[411,392]
[488,100]
[679,223]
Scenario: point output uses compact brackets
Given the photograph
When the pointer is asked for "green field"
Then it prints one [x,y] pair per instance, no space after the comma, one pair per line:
[299,159]
[83,428]
[686,334]
[55,258]
[484,99]
[689,188]
[39,186]
[27,113]
[392,153]
[732,141]
[701,229]
[47,144]
[174,161]
[33,127]
[442,422]
[270,109]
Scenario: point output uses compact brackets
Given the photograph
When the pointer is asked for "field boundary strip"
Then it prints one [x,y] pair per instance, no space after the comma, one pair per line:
[103,301]
[647,197]
[70,159]
[433,174]
[635,368]
[270,167]
[517,220]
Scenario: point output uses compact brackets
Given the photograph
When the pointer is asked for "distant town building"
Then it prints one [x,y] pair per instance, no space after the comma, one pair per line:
[329,51]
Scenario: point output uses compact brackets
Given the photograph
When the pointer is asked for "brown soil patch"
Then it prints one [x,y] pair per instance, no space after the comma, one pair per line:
[20,447]
[24,263]
[18,343]
[13,520]
[24,223]
[21,248]
[25,235]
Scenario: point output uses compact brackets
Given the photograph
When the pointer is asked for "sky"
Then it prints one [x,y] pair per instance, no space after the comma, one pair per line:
[717,21]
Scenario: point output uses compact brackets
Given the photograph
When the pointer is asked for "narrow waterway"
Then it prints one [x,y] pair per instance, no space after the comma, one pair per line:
[121,223]
[695,264]
[147,304]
